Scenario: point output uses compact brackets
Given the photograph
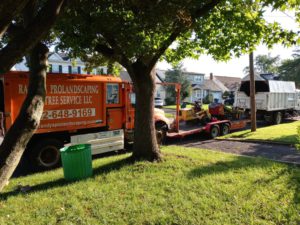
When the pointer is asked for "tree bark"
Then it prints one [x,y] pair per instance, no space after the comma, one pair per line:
[145,144]
[17,137]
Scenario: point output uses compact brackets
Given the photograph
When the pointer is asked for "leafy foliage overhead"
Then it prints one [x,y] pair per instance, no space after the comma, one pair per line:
[131,30]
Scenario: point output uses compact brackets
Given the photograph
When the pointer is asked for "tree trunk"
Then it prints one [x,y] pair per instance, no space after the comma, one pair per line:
[145,145]
[17,137]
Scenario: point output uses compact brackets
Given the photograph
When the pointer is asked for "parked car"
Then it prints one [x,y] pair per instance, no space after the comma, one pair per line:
[158,102]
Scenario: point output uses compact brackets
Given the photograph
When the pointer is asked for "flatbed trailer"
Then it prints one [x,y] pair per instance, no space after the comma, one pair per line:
[187,129]
[212,128]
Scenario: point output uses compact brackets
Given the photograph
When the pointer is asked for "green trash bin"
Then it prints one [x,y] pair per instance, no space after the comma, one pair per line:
[77,161]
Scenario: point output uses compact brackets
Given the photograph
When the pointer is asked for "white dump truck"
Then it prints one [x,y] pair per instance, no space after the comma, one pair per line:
[274,98]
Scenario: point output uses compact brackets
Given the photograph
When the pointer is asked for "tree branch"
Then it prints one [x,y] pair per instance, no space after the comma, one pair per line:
[31,35]
[204,10]
[201,12]
[114,53]
[8,10]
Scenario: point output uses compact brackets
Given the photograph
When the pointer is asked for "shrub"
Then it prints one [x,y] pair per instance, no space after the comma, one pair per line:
[170,101]
[208,99]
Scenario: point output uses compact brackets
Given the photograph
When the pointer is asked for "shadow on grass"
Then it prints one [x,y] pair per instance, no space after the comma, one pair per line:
[291,172]
[106,168]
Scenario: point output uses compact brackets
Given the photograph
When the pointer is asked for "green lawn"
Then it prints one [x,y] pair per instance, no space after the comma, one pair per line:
[190,186]
[283,133]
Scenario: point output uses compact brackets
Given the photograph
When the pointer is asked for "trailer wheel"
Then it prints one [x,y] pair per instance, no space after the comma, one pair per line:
[277,118]
[161,132]
[45,155]
[214,131]
[225,129]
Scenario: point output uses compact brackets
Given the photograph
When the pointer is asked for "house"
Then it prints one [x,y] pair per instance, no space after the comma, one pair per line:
[62,63]
[201,87]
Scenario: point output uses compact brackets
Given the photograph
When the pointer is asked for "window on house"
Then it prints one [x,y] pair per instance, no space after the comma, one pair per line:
[74,69]
[197,78]
[197,93]
[55,68]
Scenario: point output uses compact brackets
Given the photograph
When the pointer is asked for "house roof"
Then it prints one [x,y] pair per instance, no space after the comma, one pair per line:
[232,83]
[63,55]
[212,85]
[192,73]
[125,76]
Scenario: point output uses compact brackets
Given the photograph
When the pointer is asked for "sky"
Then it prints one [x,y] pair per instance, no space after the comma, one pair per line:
[205,64]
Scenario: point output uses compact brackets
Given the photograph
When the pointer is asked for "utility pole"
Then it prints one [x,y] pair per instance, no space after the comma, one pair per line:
[252,93]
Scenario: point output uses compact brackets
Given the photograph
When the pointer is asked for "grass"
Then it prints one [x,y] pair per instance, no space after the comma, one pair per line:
[282,133]
[190,186]
[204,106]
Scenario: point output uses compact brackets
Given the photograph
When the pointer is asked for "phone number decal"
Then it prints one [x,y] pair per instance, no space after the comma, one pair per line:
[68,113]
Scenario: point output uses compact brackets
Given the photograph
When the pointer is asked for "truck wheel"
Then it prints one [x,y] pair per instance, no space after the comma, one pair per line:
[277,119]
[225,129]
[214,132]
[161,132]
[45,154]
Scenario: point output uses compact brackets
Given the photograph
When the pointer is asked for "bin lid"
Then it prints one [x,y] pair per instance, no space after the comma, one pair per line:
[75,148]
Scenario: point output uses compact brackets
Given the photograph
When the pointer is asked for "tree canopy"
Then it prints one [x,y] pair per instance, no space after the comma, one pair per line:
[289,70]
[175,75]
[265,64]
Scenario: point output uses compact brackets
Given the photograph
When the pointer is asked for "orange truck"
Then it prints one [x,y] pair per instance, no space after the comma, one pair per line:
[78,109]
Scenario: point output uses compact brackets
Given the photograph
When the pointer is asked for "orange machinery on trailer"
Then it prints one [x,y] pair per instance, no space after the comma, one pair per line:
[78,109]
[216,124]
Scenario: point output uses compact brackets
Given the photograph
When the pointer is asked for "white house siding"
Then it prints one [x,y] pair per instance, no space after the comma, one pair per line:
[57,62]
[217,95]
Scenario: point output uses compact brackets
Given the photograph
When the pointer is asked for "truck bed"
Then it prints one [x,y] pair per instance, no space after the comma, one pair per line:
[186,129]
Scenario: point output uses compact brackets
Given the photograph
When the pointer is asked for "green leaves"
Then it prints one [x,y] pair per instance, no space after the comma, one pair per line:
[144,29]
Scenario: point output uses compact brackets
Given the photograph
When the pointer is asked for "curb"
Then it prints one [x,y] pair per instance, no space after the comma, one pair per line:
[256,141]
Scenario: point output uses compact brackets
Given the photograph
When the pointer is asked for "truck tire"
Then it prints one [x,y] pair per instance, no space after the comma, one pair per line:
[214,131]
[277,118]
[161,132]
[225,129]
[45,154]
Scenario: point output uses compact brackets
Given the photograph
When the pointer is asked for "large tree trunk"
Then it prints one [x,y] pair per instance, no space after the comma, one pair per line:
[17,137]
[145,145]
